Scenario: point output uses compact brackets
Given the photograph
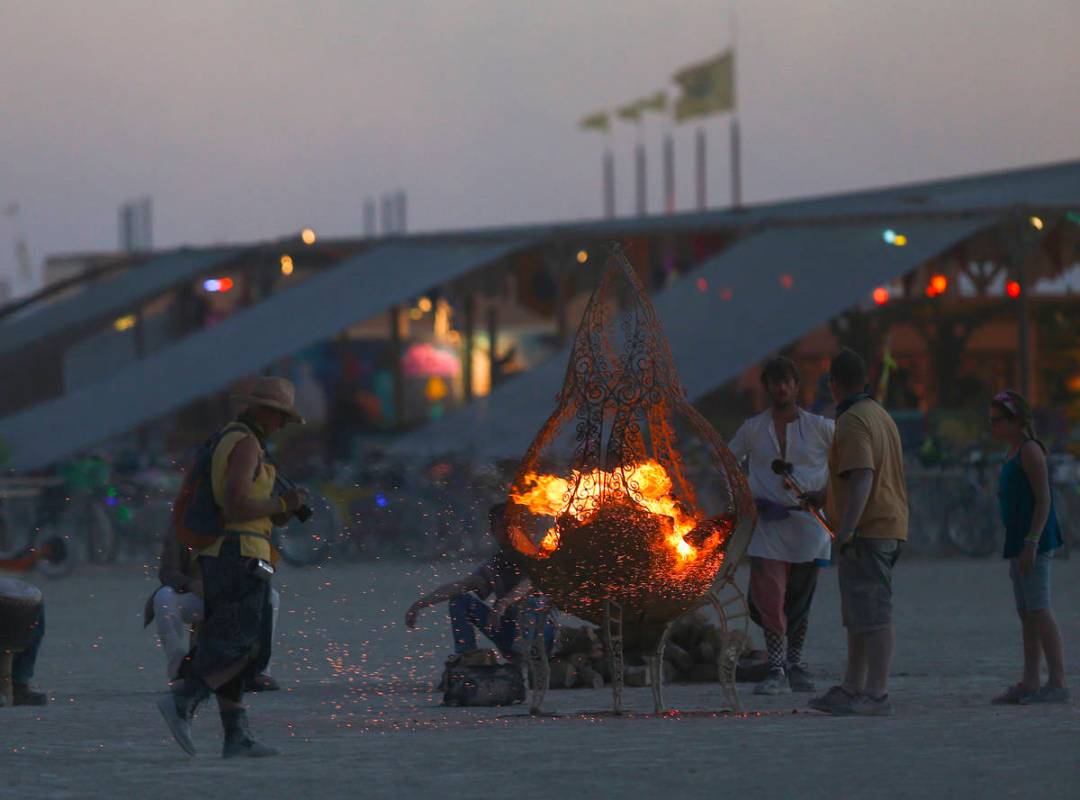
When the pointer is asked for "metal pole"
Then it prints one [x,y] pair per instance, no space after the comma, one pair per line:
[609,185]
[642,188]
[700,160]
[669,174]
[736,164]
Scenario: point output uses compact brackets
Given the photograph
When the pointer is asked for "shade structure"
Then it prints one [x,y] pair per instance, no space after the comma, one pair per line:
[744,303]
[245,343]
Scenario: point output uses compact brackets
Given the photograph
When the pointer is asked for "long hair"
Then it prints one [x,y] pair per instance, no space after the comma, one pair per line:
[1015,407]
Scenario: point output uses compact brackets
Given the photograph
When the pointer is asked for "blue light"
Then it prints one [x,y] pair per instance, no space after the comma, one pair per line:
[212,285]
[889,236]
[381,501]
[111,501]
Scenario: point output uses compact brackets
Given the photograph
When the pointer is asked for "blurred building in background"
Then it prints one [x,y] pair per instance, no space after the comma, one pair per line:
[434,343]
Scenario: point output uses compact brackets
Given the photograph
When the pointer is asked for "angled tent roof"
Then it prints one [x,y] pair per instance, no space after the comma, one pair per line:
[112,295]
[833,267]
[210,360]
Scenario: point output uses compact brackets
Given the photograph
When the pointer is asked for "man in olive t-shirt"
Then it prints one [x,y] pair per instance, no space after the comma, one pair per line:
[867,506]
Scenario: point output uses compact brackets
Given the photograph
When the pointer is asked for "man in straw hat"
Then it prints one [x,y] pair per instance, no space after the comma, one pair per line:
[234,640]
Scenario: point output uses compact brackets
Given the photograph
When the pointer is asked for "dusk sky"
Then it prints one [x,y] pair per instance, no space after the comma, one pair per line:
[248,120]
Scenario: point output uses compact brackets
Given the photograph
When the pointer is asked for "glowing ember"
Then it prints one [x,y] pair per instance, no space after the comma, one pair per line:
[581,496]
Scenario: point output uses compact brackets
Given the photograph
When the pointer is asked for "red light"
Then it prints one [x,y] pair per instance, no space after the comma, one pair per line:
[787,281]
[930,291]
[225,285]
[881,295]
[1012,288]
[939,283]
[702,285]
[726,294]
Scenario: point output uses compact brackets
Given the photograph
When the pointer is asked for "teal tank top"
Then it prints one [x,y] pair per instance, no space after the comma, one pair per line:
[1017,502]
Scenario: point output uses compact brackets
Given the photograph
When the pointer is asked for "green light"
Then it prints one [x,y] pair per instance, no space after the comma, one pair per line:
[123,514]
[1073,216]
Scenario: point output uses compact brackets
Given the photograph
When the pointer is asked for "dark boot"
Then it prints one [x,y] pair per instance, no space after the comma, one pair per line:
[25,696]
[178,709]
[238,739]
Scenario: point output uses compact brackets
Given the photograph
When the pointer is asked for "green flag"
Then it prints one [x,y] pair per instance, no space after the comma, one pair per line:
[708,88]
[630,113]
[596,122]
[655,102]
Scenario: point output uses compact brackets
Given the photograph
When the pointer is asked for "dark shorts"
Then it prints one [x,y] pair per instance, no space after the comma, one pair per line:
[237,622]
[865,572]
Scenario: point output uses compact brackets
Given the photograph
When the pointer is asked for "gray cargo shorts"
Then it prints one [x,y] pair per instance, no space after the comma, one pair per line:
[865,572]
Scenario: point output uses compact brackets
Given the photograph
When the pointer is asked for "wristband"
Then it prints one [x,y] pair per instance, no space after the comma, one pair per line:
[284,506]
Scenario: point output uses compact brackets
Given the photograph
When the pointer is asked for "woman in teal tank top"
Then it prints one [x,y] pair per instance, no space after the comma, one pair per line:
[1031,536]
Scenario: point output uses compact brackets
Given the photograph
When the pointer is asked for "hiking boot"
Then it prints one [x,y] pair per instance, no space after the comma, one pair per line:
[1056,695]
[261,683]
[837,701]
[866,706]
[178,709]
[23,695]
[775,682]
[238,739]
[799,678]
[1013,696]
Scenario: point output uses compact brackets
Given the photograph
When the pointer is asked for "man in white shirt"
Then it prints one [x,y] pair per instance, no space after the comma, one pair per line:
[788,540]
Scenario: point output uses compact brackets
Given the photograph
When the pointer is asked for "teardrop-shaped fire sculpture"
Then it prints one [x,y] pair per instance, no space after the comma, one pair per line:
[627,495]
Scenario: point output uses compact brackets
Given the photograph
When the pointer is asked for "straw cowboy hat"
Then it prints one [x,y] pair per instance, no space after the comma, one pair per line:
[277,393]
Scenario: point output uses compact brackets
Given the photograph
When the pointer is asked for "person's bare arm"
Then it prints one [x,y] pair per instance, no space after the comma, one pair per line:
[238,506]
[860,481]
[441,594]
[1033,461]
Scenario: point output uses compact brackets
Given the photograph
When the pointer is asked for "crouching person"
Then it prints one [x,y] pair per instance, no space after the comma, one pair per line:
[516,608]
[234,639]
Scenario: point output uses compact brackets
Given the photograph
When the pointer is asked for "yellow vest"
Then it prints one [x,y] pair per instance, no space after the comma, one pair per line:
[257,546]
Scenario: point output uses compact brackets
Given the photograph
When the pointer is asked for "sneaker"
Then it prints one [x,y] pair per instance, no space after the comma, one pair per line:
[179,721]
[1013,696]
[23,695]
[837,701]
[866,706]
[1056,695]
[775,682]
[799,679]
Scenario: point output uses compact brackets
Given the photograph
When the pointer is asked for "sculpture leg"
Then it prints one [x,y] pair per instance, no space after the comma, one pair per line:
[539,668]
[613,641]
[733,614]
[656,670]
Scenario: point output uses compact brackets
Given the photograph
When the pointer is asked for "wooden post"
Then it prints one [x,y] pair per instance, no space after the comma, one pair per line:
[396,313]
[700,168]
[736,165]
[1018,255]
[669,174]
[642,188]
[609,185]
[468,335]
[493,342]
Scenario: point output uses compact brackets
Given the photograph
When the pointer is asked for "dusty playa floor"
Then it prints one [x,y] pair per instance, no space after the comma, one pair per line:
[359,719]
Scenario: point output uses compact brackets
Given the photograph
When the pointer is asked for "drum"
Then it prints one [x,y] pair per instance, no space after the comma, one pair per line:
[20,605]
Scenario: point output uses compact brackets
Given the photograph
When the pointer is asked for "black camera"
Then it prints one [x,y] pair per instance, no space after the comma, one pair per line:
[303,512]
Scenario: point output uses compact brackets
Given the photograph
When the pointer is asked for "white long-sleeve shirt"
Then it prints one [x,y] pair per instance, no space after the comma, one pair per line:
[800,537]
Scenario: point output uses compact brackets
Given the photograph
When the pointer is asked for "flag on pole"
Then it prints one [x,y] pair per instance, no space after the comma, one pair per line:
[630,113]
[596,122]
[654,102]
[708,88]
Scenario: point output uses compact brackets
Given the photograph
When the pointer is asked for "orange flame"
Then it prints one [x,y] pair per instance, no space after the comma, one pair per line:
[580,496]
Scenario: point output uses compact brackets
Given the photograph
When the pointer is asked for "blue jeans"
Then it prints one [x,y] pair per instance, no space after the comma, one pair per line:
[468,612]
[22,666]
